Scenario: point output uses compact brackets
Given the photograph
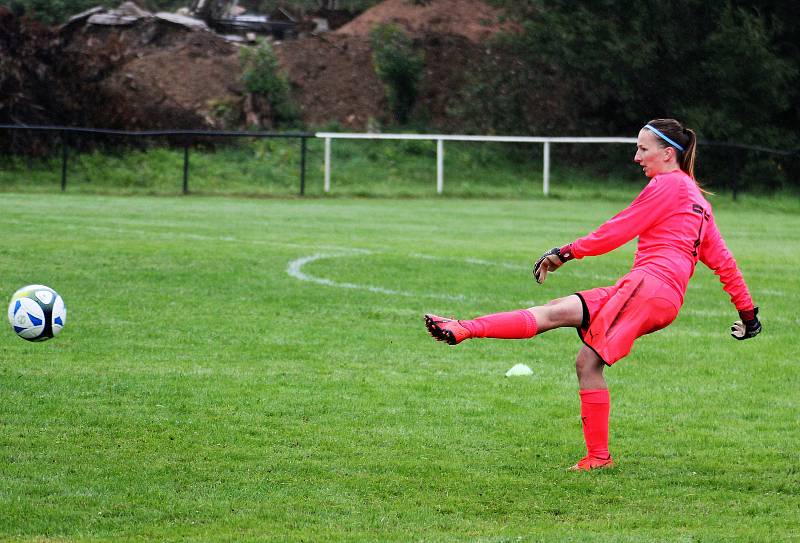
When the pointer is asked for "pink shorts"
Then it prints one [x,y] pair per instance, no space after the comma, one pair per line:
[614,317]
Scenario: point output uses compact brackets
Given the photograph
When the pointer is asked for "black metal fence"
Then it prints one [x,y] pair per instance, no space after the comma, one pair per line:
[737,157]
[726,161]
[184,138]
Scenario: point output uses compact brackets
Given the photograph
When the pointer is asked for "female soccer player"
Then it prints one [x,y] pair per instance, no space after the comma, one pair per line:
[676,228]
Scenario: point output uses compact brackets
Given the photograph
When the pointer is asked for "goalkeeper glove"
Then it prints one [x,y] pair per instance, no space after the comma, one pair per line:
[551,261]
[748,327]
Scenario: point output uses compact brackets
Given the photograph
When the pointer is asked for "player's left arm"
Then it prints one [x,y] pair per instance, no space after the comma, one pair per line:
[714,253]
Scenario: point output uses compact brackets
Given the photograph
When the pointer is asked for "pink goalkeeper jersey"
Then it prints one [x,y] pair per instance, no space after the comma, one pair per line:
[676,228]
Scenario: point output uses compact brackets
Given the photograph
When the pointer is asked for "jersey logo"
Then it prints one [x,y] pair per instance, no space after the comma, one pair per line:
[704,217]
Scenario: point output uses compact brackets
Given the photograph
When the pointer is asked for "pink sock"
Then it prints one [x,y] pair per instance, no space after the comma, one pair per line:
[595,407]
[518,324]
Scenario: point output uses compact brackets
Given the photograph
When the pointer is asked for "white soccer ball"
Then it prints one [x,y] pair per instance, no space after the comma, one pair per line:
[37,313]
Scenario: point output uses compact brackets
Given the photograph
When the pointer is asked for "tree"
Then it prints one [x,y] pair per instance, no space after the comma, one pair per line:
[732,70]
[399,66]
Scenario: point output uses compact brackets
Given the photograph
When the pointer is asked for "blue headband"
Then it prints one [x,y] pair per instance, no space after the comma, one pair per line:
[661,135]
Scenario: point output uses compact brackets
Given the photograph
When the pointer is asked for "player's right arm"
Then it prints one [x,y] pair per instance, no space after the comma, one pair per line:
[652,204]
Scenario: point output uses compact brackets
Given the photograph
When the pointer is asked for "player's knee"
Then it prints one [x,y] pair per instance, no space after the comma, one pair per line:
[563,312]
[580,366]
[587,363]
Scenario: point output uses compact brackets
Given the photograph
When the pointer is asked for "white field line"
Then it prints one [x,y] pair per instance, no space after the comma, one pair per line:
[296,266]
[350,251]
[295,270]
[773,292]
[730,312]
[172,235]
[607,279]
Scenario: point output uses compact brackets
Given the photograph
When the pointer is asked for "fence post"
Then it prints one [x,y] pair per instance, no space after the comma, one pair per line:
[439,165]
[63,161]
[327,187]
[302,165]
[546,169]
[736,166]
[186,168]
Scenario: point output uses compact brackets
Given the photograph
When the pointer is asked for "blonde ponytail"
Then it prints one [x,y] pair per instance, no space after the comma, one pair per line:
[690,154]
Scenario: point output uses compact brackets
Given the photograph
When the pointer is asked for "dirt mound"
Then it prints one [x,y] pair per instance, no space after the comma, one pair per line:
[472,19]
[167,75]
[147,75]
[333,80]
[42,84]
[38,84]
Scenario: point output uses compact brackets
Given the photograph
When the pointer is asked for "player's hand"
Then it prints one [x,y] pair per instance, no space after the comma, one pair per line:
[748,327]
[550,261]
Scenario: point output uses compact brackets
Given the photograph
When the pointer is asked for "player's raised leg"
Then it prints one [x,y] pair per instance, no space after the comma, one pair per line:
[595,408]
[519,324]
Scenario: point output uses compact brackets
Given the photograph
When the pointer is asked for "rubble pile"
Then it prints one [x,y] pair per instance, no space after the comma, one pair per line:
[121,69]
[132,69]
[168,69]
[39,82]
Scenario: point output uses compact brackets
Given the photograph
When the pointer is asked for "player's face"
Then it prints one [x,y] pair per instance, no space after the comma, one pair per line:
[650,155]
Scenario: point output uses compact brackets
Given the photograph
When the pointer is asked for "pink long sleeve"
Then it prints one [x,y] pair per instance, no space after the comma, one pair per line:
[714,253]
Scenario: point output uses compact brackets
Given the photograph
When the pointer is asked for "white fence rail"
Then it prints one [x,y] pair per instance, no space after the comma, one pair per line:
[441,138]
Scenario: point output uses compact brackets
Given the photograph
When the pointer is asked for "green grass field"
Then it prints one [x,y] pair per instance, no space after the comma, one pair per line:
[249,370]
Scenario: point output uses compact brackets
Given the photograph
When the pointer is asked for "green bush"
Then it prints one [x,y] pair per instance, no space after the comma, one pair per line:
[262,78]
[399,67]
